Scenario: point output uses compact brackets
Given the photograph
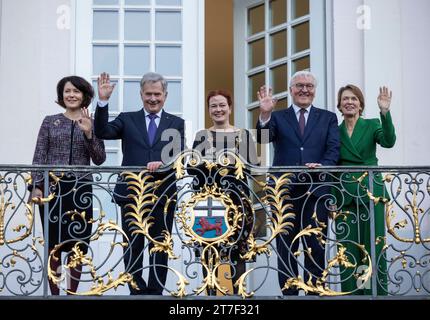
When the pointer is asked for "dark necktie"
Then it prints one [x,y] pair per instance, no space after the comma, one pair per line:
[152,127]
[302,122]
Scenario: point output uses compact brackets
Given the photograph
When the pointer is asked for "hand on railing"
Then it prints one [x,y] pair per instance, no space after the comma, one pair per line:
[154,166]
[35,196]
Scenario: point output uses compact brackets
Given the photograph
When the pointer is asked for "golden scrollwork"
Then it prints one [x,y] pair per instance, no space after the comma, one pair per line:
[233,218]
[78,258]
[29,214]
[412,206]
[144,198]
[390,215]
[275,196]
[319,286]
[224,159]
[280,220]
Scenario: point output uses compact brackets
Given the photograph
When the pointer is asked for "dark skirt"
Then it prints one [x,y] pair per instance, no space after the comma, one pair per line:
[66,224]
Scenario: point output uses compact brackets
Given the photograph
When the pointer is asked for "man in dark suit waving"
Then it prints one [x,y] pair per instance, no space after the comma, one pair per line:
[150,137]
[302,135]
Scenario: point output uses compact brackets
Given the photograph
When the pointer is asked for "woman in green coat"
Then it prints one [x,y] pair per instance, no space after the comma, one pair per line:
[359,138]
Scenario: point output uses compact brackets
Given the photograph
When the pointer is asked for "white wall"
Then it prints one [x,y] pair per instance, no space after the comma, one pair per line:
[393,51]
[384,65]
[415,45]
[34,55]
[347,45]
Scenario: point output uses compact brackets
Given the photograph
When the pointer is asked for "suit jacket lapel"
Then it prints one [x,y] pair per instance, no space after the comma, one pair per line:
[291,118]
[312,121]
[360,130]
[347,141]
[164,124]
[142,126]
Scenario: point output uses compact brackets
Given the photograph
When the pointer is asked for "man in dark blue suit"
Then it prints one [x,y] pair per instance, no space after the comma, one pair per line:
[150,137]
[302,135]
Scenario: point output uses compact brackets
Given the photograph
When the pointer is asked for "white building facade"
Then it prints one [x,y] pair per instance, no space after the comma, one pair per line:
[369,43]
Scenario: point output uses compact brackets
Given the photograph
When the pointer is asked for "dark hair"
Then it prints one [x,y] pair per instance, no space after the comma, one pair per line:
[356,91]
[223,93]
[81,84]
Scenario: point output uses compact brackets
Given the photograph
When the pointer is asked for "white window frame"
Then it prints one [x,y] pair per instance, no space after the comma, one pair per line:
[317,51]
[192,56]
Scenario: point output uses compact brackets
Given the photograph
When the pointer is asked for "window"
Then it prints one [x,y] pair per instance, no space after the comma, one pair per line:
[273,40]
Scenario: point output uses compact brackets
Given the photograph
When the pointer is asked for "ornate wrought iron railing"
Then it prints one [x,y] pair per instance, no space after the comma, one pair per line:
[331,231]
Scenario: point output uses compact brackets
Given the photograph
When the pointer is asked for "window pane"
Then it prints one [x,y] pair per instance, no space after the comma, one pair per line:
[255,82]
[105,2]
[303,63]
[132,100]
[278,79]
[174,98]
[300,8]
[105,59]
[137,2]
[113,101]
[168,26]
[105,25]
[136,60]
[282,104]
[278,12]
[301,37]
[278,45]
[137,25]
[168,2]
[256,20]
[256,53]
[168,61]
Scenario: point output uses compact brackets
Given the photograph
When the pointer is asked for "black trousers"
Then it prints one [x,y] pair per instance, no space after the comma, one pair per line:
[133,253]
[71,194]
[304,207]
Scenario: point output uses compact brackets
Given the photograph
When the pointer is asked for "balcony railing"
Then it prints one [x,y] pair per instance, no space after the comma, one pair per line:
[332,231]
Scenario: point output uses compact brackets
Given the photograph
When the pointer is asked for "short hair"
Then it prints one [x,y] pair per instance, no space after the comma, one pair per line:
[81,84]
[356,91]
[152,77]
[219,92]
[303,73]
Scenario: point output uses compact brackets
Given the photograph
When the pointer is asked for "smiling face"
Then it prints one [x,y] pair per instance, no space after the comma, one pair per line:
[302,90]
[72,96]
[350,105]
[153,96]
[219,110]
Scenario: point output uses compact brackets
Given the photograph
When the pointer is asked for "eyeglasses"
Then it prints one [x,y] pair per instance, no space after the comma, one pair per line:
[301,86]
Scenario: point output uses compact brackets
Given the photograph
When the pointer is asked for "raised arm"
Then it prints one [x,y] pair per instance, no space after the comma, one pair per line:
[267,103]
[102,127]
[266,129]
[384,100]
[104,86]
[385,134]
[94,145]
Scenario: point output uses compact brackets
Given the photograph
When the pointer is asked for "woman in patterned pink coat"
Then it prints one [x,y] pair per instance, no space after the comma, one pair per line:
[68,139]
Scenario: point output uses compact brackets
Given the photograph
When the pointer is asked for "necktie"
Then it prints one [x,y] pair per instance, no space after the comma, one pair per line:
[302,122]
[152,127]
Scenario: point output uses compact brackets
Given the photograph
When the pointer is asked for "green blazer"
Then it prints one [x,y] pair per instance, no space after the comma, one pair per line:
[360,150]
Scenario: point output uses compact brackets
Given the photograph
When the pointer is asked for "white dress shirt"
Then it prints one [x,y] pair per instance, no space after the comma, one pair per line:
[103,104]
[296,111]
